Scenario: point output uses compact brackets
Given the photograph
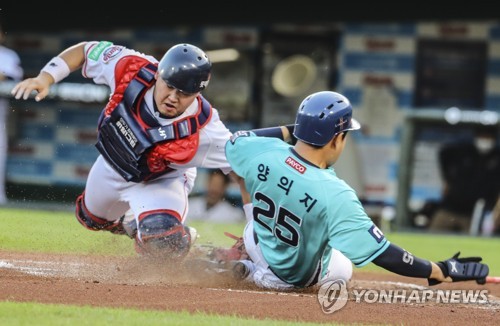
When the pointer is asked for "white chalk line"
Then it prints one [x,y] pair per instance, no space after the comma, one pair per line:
[36,267]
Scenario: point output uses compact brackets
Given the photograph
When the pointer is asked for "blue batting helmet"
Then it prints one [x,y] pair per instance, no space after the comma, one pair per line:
[321,116]
[185,67]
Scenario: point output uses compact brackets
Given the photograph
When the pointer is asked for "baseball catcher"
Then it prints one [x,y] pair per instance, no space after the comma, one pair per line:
[153,133]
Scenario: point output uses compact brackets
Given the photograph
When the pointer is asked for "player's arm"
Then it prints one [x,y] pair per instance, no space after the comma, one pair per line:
[53,72]
[246,199]
[245,196]
[455,269]
[282,132]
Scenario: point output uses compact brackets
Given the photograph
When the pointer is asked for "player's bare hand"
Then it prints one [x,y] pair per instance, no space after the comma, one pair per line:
[40,84]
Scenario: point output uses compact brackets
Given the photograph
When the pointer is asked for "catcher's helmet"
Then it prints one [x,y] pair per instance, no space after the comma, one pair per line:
[185,67]
[321,116]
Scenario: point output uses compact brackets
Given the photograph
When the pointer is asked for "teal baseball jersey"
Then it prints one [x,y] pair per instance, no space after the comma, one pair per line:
[301,211]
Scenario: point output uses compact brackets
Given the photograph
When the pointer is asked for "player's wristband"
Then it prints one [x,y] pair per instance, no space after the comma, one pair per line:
[57,68]
[248,209]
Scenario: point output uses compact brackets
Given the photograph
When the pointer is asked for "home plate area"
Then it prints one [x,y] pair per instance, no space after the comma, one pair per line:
[134,282]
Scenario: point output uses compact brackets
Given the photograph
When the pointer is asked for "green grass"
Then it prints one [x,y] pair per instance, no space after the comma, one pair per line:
[53,231]
[14,313]
[47,231]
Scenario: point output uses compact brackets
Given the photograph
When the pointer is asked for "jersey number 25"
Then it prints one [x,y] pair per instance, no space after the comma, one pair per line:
[283,229]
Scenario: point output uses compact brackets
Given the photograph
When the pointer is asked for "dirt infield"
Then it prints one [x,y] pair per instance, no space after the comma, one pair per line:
[133,283]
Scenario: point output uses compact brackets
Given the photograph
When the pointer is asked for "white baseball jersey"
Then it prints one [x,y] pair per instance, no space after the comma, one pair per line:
[10,64]
[107,194]
[10,68]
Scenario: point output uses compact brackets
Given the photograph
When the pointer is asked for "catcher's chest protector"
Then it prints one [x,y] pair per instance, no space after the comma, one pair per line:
[131,139]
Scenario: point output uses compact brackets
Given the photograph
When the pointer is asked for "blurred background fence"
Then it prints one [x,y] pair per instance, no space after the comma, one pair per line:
[391,71]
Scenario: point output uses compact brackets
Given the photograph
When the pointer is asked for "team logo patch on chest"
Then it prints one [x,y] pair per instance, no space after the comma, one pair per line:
[296,165]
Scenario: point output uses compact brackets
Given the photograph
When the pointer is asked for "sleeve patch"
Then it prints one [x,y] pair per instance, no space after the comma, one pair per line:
[376,233]
[98,49]
[240,133]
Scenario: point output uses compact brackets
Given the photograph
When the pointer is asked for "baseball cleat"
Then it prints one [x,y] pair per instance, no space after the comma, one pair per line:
[240,270]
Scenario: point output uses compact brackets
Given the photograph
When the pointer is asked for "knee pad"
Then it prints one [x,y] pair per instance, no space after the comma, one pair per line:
[161,234]
[340,267]
[87,219]
[343,266]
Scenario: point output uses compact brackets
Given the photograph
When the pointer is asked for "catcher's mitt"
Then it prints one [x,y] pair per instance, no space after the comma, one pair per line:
[236,252]
[207,260]
[463,269]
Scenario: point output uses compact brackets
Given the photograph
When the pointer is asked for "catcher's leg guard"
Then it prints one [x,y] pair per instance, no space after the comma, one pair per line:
[94,223]
[161,234]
